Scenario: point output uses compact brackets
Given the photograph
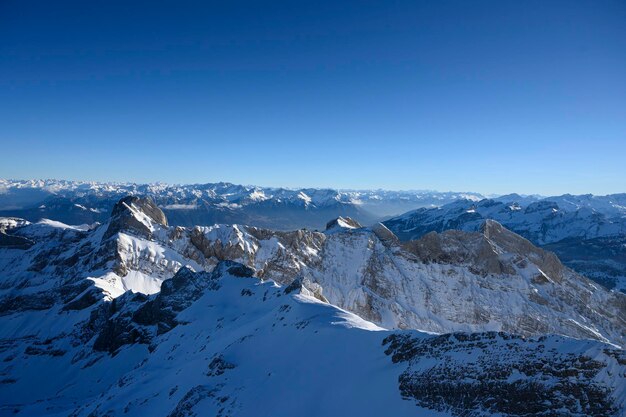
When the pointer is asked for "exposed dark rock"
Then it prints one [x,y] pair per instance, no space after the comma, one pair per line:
[343,222]
[185,406]
[511,376]
[459,248]
[47,350]
[14,242]
[126,216]
[514,243]
[385,235]
[215,249]
[480,250]
[42,300]
[218,366]
[302,285]
[86,300]
[135,318]
[113,325]
[233,268]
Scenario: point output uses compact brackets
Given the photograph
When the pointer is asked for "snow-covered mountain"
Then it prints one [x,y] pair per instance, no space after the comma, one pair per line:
[111,319]
[455,281]
[226,344]
[204,204]
[544,221]
[587,232]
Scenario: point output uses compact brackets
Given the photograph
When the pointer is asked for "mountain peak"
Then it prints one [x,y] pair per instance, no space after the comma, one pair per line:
[139,215]
[385,235]
[144,205]
[511,242]
[490,227]
[343,223]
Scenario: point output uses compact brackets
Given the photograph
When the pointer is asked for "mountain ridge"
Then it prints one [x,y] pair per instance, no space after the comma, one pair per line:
[205,204]
[365,270]
[588,232]
[138,317]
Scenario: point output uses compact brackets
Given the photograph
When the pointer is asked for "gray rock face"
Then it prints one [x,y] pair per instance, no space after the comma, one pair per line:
[459,248]
[481,251]
[135,214]
[343,223]
[586,232]
[302,285]
[385,235]
[276,255]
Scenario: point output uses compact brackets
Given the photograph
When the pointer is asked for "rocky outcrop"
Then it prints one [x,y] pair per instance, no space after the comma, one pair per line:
[137,215]
[304,286]
[515,244]
[135,318]
[482,251]
[44,300]
[14,242]
[453,247]
[385,235]
[507,375]
[343,223]
[584,231]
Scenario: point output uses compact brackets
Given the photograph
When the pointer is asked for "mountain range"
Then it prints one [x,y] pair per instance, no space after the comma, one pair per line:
[136,316]
[204,204]
[587,232]
[460,307]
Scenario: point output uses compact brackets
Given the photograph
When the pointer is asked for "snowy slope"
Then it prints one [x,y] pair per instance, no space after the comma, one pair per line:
[225,343]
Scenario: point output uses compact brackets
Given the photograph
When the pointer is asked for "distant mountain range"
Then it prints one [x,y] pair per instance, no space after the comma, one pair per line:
[205,204]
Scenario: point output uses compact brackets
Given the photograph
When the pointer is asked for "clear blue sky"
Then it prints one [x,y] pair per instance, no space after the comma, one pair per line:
[495,97]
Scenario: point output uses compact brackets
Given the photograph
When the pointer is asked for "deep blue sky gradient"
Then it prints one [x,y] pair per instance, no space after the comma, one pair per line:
[488,96]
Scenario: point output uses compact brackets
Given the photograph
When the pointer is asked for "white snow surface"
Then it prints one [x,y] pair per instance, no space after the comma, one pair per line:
[245,348]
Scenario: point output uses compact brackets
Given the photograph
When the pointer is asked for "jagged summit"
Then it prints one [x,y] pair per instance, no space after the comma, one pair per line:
[143,204]
[136,214]
[492,250]
[385,235]
[513,243]
[342,223]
